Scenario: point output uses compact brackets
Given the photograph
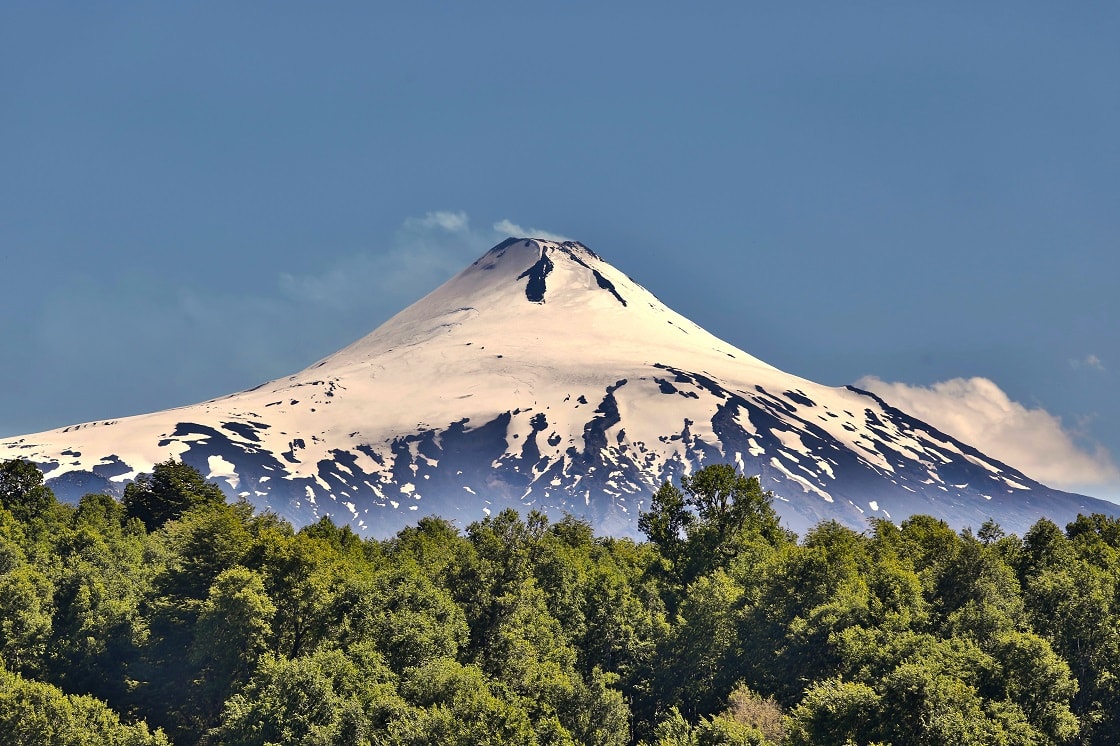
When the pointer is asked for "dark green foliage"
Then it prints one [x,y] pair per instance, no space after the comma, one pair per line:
[834,711]
[404,615]
[666,525]
[37,714]
[322,698]
[22,490]
[170,490]
[702,526]
[230,636]
[25,606]
[459,705]
[180,611]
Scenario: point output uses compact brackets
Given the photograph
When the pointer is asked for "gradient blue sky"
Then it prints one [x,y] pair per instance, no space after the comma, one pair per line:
[197,197]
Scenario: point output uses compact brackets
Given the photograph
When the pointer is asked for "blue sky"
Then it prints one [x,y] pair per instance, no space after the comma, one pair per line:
[195,198]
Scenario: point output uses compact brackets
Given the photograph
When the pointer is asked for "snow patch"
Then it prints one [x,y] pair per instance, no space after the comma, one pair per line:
[222,469]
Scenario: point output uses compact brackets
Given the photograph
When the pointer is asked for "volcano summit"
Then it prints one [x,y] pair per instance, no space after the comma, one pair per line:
[542,377]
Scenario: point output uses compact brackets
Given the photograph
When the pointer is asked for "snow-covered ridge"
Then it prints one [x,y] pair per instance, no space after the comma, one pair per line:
[539,376]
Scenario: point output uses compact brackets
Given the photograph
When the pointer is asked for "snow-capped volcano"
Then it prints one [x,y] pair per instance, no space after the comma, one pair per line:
[542,377]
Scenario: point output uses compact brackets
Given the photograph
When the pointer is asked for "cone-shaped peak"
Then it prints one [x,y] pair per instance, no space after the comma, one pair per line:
[531,261]
[546,303]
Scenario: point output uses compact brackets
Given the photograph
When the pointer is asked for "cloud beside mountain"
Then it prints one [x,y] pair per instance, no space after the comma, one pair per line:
[977,411]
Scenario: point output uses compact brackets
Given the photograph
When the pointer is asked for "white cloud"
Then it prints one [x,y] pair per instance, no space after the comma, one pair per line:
[452,222]
[978,412]
[509,228]
[1089,361]
[424,252]
[391,278]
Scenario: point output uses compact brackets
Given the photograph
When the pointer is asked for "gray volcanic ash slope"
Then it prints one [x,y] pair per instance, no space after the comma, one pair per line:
[542,377]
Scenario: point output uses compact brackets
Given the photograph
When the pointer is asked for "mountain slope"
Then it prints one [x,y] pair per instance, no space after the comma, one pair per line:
[542,377]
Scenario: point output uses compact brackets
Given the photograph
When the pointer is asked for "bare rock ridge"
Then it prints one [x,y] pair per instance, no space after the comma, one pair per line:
[542,377]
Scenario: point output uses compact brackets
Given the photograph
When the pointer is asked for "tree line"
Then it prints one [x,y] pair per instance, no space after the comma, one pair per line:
[174,616]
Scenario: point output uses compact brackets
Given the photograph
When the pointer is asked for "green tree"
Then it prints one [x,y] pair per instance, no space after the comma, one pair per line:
[725,502]
[809,594]
[22,490]
[835,711]
[666,524]
[621,628]
[187,556]
[699,669]
[435,546]
[231,634]
[459,706]
[26,597]
[703,526]
[990,532]
[321,699]
[1074,606]
[527,651]
[402,614]
[517,640]
[170,490]
[198,546]
[304,576]
[101,583]
[935,690]
[37,714]
[1038,681]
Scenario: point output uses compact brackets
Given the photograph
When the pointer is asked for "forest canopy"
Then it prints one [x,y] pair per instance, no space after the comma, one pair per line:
[174,616]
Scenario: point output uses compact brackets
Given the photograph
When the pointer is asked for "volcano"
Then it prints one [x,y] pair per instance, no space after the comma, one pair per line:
[541,377]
